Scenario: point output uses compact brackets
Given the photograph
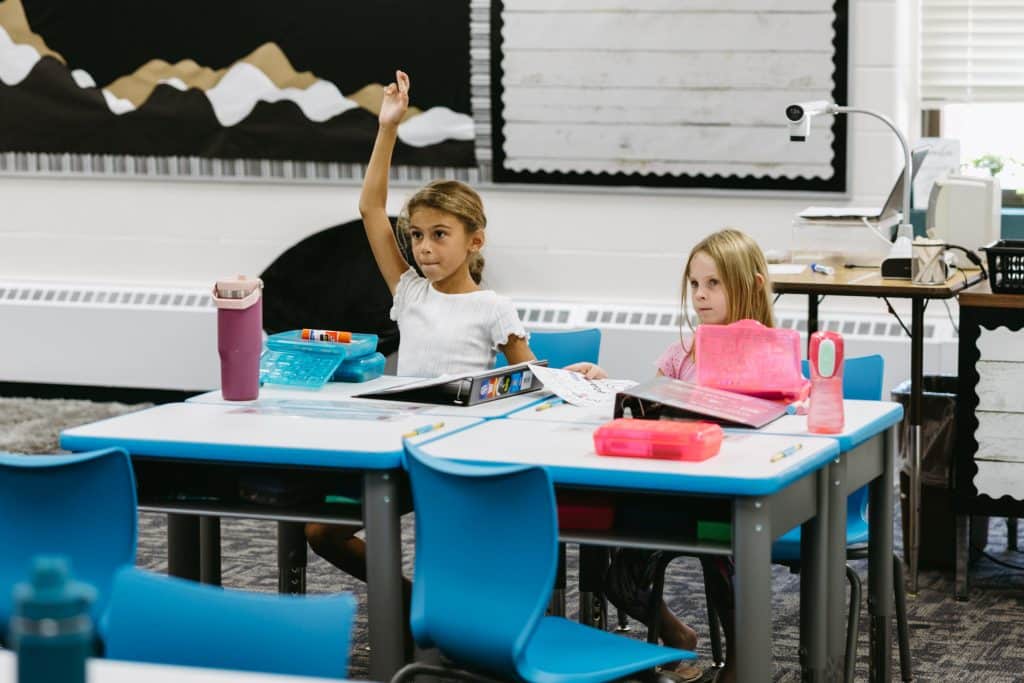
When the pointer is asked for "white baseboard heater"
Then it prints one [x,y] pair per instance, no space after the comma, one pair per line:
[165,338]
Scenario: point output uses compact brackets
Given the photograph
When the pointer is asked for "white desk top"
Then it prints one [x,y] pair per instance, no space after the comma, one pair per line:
[113,671]
[370,438]
[563,413]
[742,467]
[338,396]
[864,419]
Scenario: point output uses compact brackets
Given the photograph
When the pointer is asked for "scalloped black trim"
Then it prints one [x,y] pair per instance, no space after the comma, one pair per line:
[966,499]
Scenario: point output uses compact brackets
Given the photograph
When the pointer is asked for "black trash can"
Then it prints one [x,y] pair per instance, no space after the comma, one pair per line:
[938,439]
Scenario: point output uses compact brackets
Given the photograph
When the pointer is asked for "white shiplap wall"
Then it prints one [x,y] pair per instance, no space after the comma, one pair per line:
[663,87]
[542,243]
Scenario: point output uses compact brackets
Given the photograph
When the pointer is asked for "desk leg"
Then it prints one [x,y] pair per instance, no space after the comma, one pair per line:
[914,439]
[183,546]
[963,554]
[814,574]
[292,557]
[383,573]
[880,581]
[812,317]
[752,547]
[836,581]
[209,550]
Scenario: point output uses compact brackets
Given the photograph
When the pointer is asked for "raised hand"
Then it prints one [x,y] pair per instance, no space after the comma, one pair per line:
[396,100]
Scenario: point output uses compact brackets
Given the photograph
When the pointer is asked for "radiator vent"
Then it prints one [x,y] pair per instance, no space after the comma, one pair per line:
[634,336]
[103,295]
[553,315]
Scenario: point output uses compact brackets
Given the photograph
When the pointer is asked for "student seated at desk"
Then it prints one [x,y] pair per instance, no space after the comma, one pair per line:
[447,323]
[726,277]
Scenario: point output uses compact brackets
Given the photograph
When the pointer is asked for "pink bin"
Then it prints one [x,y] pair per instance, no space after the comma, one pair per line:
[748,358]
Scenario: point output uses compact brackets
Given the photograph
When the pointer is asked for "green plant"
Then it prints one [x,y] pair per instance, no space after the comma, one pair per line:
[993,163]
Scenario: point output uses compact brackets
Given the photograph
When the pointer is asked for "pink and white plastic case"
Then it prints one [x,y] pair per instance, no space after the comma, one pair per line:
[661,439]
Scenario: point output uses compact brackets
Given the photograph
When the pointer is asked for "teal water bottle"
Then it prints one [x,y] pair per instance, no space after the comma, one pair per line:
[51,630]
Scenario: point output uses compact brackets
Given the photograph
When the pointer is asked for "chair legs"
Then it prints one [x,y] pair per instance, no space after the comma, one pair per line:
[902,628]
[410,671]
[714,629]
[852,623]
[556,606]
[623,622]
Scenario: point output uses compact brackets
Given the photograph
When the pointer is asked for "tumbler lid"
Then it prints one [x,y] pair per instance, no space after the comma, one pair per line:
[237,292]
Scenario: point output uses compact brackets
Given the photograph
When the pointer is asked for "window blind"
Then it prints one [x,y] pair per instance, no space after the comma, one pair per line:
[972,51]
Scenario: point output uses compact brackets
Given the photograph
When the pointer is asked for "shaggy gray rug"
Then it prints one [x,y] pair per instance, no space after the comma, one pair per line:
[952,641]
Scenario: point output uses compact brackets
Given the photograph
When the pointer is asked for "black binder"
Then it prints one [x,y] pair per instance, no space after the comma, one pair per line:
[667,398]
[466,390]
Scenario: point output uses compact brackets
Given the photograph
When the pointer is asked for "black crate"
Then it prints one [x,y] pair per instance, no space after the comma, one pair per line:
[1006,266]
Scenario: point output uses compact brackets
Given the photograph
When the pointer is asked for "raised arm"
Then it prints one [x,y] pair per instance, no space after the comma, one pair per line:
[373,199]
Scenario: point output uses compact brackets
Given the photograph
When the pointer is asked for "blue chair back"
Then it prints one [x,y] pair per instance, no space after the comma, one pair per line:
[158,619]
[486,555]
[563,347]
[82,506]
[862,380]
[862,377]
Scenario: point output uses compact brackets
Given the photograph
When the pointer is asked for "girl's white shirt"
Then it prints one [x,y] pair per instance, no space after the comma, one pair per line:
[446,334]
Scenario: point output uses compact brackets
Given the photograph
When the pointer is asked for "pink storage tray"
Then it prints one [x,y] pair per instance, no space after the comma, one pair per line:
[662,439]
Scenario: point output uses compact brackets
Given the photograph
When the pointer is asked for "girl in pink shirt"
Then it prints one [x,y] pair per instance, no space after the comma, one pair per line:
[725,280]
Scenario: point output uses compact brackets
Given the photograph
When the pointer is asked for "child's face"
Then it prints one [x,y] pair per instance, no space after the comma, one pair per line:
[707,292]
[440,243]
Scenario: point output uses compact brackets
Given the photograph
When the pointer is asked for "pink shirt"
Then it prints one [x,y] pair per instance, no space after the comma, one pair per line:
[677,362]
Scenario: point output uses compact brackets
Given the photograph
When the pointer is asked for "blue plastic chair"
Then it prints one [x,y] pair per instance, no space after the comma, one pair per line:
[486,555]
[163,620]
[563,347]
[81,506]
[862,380]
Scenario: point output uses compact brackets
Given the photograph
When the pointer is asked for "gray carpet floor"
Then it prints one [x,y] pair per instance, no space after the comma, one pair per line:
[981,639]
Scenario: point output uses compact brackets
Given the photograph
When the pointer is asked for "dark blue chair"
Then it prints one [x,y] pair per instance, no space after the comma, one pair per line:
[163,620]
[563,347]
[486,555]
[81,506]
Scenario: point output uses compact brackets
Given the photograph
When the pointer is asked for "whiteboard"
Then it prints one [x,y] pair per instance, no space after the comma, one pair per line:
[677,93]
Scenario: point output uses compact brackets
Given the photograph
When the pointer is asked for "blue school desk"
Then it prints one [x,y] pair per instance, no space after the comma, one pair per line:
[764,499]
[188,458]
[866,445]
[113,671]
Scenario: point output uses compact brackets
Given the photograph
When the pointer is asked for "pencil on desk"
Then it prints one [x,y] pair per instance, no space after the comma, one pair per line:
[549,404]
[786,452]
[423,430]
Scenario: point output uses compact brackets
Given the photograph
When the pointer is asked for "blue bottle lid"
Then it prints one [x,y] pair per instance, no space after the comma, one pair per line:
[51,593]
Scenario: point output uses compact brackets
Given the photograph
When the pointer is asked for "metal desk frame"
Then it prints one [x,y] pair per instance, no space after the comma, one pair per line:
[861,283]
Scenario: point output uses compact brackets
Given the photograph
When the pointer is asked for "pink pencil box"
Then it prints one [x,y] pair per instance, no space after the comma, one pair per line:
[662,439]
[748,358]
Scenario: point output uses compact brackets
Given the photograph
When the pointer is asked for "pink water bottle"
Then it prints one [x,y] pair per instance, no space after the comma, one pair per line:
[239,304]
[825,356]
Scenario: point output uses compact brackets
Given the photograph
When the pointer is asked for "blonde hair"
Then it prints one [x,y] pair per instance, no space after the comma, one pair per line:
[738,260]
[456,198]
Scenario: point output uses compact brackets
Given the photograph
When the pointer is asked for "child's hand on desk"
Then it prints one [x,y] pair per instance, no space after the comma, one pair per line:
[588,370]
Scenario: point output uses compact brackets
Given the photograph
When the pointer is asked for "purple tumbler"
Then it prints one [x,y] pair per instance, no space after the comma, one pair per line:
[239,336]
